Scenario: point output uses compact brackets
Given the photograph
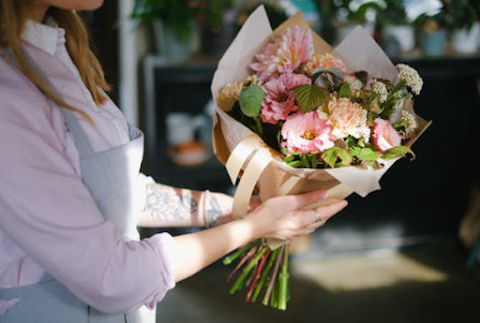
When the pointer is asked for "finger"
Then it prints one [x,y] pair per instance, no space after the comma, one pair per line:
[322,214]
[305,199]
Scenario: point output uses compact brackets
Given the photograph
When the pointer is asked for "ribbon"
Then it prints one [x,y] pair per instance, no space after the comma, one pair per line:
[254,156]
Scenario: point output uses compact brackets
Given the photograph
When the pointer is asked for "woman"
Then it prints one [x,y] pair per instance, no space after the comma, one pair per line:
[71,195]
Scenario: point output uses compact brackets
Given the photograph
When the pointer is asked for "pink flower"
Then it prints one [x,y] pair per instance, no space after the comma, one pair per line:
[284,54]
[348,118]
[306,133]
[384,135]
[279,101]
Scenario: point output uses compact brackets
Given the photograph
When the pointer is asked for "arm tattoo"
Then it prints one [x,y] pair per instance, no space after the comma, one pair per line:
[165,204]
[213,212]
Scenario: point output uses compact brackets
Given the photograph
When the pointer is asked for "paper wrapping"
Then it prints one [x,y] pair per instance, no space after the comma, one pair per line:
[261,168]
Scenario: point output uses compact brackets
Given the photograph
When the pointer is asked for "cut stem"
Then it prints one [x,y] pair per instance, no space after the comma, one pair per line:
[266,298]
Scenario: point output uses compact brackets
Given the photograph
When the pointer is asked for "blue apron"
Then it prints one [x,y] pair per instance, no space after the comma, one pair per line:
[110,176]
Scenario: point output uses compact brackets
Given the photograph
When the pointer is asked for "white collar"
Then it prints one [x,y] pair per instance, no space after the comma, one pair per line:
[43,36]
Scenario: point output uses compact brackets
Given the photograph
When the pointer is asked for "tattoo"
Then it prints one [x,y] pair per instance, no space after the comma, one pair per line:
[212,211]
[165,204]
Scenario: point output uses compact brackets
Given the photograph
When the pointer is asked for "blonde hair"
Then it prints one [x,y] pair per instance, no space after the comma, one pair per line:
[13,17]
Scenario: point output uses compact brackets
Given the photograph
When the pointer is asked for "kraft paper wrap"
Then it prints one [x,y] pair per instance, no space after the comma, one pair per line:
[262,169]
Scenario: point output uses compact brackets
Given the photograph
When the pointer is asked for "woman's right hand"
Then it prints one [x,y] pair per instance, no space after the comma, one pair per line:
[286,217]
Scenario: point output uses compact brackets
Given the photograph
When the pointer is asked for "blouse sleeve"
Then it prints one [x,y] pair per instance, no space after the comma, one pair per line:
[49,213]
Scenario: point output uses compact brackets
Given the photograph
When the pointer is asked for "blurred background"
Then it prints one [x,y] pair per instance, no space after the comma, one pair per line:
[403,253]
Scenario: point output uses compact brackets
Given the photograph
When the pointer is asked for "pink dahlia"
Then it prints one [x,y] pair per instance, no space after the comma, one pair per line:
[306,133]
[384,135]
[279,101]
[284,54]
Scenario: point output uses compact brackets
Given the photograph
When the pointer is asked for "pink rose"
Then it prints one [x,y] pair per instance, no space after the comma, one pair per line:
[306,133]
[384,135]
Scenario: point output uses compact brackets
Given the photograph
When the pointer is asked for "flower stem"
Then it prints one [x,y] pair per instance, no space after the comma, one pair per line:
[242,261]
[284,278]
[259,124]
[265,273]
[240,282]
[273,278]
[258,273]
[231,258]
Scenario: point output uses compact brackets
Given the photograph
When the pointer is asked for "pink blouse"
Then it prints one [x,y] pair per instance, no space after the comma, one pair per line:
[48,220]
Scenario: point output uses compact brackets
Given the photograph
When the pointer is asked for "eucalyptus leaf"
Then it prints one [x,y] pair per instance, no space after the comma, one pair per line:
[251,100]
[309,97]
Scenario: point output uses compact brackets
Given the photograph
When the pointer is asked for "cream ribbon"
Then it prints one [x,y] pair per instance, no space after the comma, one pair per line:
[253,155]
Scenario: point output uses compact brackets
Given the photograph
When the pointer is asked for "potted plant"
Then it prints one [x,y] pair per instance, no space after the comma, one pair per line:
[173,25]
[395,25]
[216,20]
[432,28]
[345,15]
[464,24]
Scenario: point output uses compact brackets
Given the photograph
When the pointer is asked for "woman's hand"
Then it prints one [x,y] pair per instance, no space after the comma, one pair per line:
[287,217]
[282,217]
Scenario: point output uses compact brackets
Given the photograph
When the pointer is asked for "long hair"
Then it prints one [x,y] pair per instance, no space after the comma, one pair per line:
[13,17]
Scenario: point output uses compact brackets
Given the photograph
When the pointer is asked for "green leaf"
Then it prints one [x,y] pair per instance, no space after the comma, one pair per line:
[367,154]
[251,100]
[398,151]
[337,157]
[345,91]
[309,97]
[295,164]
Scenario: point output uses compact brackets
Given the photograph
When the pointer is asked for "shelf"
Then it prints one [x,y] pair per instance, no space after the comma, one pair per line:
[177,88]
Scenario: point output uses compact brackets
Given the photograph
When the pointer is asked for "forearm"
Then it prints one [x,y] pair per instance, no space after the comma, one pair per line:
[168,206]
[196,251]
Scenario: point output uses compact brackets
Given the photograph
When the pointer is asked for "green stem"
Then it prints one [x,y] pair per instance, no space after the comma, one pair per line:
[259,125]
[238,285]
[231,258]
[258,273]
[284,278]
[265,273]
[245,258]
[273,278]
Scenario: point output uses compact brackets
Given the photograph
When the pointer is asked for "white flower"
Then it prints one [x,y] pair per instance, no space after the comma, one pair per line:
[411,77]
[355,84]
[411,124]
[380,89]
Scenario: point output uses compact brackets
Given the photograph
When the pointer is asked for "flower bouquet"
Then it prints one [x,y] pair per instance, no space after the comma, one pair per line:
[293,115]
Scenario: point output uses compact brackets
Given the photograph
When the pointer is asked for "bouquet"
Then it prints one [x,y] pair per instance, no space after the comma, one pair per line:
[292,115]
